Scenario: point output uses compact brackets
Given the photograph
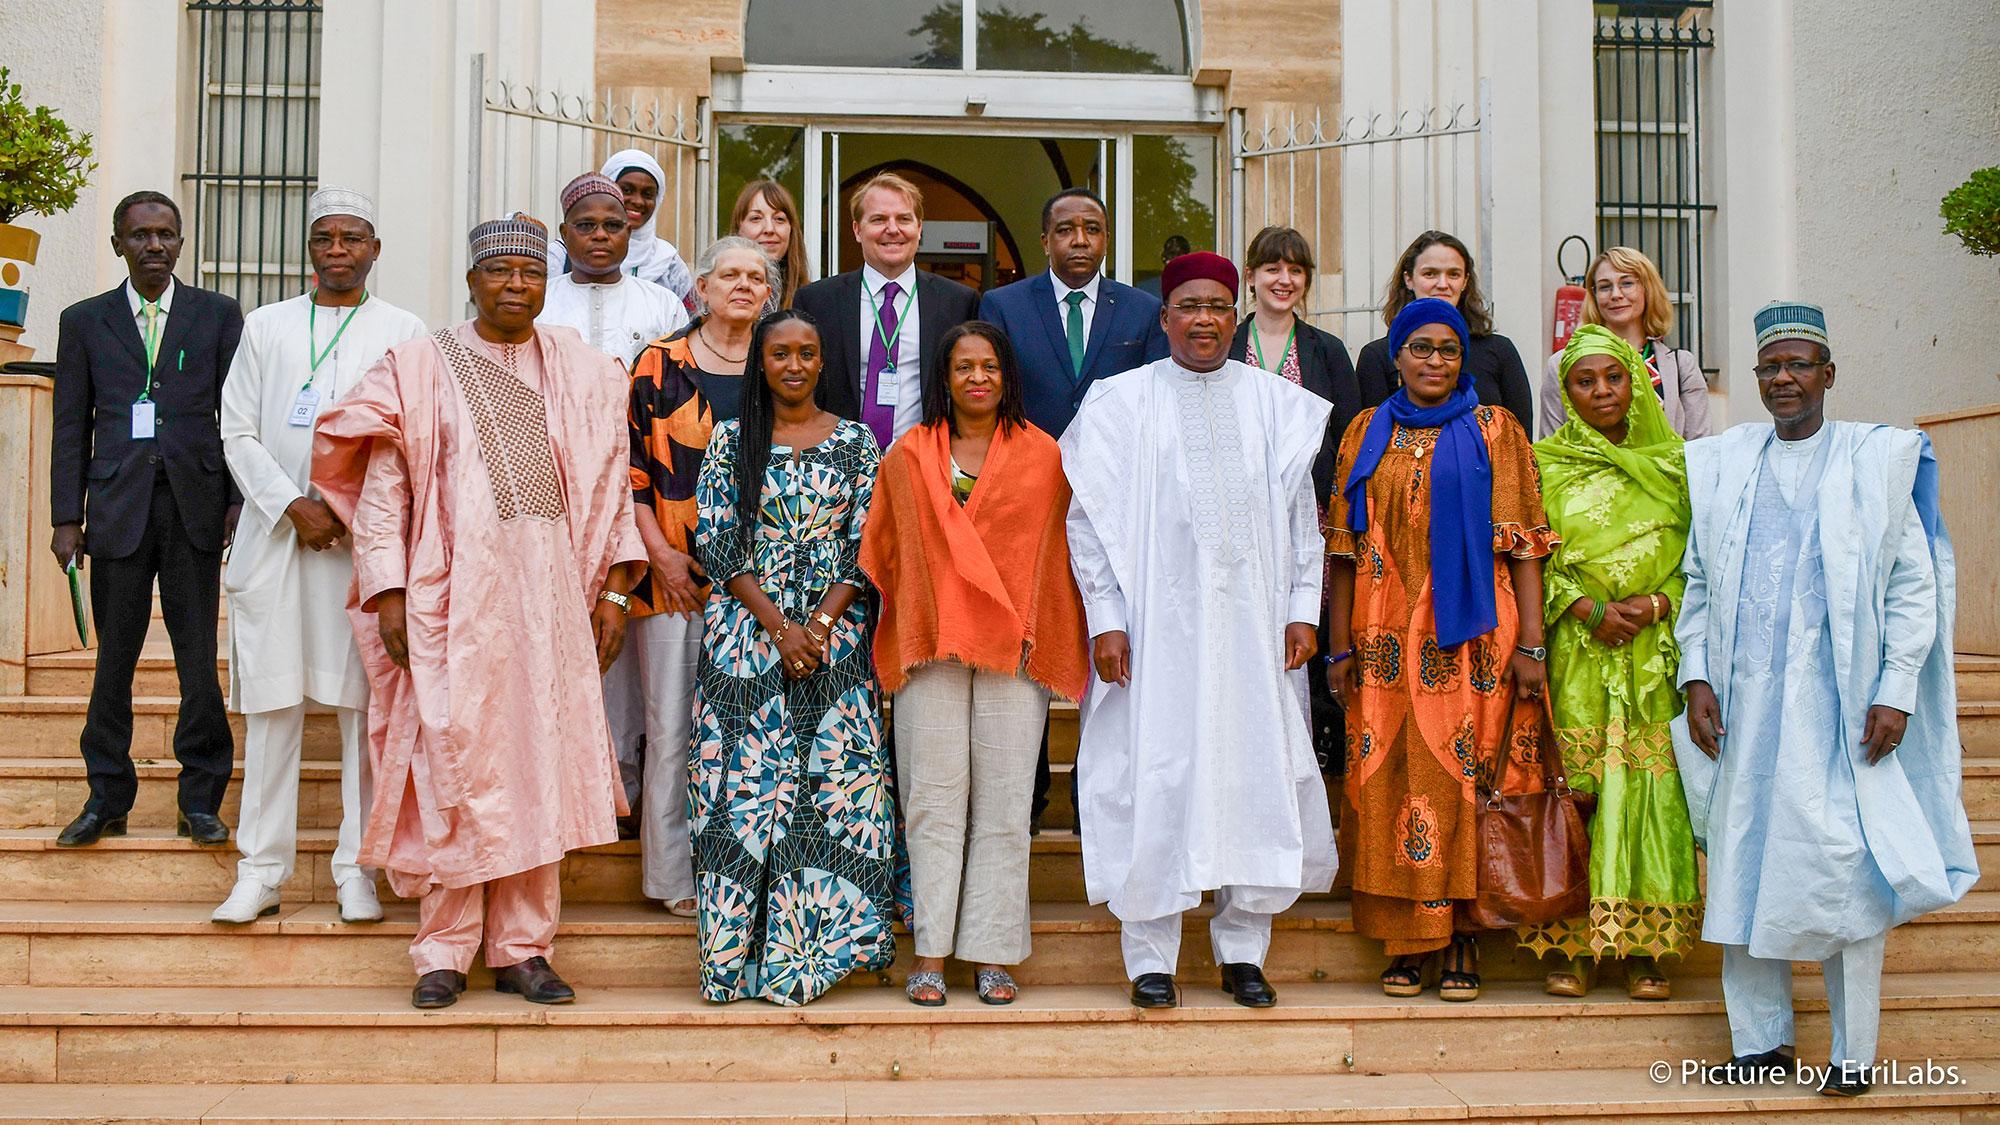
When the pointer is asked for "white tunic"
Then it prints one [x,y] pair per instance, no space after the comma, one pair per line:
[618,319]
[289,636]
[1193,529]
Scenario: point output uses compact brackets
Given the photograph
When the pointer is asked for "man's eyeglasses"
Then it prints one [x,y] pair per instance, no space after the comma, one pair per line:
[1196,308]
[1424,350]
[494,271]
[584,228]
[1796,368]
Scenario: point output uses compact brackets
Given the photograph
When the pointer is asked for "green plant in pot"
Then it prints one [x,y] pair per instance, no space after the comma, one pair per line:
[1972,212]
[43,165]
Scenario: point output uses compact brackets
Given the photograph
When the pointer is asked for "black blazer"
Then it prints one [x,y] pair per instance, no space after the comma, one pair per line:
[1325,371]
[1492,360]
[835,302]
[99,476]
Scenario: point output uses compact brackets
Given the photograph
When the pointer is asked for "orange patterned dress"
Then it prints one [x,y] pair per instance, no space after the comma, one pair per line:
[1427,717]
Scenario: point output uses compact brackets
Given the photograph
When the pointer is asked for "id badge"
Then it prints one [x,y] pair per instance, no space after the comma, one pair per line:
[304,409]
[144,421]
[888,389]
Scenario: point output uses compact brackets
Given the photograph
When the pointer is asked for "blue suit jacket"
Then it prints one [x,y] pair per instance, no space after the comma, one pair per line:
[1125,333]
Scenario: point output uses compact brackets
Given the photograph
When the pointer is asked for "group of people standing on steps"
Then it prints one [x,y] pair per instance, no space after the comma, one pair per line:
[641,548]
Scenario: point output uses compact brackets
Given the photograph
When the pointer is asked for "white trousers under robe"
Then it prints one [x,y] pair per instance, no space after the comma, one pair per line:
[1758,993]
[1237,936]
[513,916]
[267,831]
[625,711]
[667,650]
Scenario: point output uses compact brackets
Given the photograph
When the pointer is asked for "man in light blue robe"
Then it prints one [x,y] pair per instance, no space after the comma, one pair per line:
[1820,748]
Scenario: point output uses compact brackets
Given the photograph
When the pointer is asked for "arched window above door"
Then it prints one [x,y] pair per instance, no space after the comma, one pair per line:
[1067,36]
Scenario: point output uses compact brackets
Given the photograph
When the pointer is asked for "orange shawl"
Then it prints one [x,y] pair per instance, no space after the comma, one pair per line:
[985,584]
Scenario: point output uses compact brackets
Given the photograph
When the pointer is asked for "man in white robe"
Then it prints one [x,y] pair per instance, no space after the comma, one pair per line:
[1820,748]
[1195,541]
[618,314]
[289,568]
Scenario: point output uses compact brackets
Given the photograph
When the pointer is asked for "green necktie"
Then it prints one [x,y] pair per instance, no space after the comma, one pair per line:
[1075,329]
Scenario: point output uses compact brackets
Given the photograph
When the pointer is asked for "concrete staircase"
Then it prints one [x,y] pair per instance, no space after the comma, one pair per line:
[119,1000]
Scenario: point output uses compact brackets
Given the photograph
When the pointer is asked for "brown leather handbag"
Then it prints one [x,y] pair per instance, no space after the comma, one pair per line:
[1534,848]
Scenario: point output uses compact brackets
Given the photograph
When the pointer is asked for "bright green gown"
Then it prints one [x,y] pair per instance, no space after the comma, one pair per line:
[1622,512]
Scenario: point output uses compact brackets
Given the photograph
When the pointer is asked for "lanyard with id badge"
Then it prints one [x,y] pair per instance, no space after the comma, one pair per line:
[306,405]
[145,417]
[887,387]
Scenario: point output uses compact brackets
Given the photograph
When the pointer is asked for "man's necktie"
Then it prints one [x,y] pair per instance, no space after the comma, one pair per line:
[152,310]
[882,351]
[1077,342]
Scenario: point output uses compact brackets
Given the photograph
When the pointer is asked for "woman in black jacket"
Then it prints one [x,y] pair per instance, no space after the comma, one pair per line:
[1439,265]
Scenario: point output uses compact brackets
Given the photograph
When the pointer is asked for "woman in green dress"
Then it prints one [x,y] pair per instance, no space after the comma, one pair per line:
[1614,478]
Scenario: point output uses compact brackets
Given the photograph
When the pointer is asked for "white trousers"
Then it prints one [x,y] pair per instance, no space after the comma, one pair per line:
[1237,936]
[267,831]
[1758,993]
[966,746]
[666,649]
[625,711]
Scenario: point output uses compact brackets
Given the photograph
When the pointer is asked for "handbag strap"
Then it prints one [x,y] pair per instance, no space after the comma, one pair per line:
[1555,778]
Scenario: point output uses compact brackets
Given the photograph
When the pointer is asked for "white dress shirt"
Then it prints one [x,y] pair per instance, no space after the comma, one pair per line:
[909,369]
[1089,292]
[138,304]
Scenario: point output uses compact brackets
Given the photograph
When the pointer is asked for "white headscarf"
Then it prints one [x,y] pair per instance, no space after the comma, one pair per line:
[650,256]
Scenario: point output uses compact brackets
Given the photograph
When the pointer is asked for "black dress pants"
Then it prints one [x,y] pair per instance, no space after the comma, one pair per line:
[121,602]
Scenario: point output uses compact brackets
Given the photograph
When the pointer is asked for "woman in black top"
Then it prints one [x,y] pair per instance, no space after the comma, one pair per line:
[1439,265]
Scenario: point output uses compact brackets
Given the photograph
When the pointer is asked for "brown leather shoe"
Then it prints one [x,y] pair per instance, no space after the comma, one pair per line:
[535,981]
[438,988]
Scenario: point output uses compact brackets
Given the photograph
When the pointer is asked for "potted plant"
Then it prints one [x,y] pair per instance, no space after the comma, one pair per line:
[42,167]
[1972,212]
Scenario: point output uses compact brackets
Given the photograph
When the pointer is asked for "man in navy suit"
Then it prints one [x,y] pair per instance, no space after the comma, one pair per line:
[138,483]
[1070,327]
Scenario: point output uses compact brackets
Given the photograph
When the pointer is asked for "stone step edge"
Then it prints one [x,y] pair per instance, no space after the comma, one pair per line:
[155,838]
[167,704]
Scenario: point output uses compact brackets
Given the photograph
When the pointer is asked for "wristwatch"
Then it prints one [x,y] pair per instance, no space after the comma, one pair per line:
[1538,654]
[615,598]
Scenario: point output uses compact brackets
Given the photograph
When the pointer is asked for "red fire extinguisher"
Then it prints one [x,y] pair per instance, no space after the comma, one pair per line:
[1569,297]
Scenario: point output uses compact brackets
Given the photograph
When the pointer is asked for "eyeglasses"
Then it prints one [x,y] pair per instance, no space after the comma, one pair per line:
[1424,350]
[1196,308]
[1796,368]
[494,271]
[586,227]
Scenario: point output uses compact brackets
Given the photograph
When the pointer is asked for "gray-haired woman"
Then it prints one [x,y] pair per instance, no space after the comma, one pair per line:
[682,386]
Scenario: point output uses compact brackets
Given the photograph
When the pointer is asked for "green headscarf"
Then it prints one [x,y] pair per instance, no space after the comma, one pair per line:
[1653,455]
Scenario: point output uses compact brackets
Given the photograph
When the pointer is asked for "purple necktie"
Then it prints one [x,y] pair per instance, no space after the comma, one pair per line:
[881,365]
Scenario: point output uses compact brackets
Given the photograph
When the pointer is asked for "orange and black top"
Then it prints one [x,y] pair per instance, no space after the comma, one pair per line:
[669,421]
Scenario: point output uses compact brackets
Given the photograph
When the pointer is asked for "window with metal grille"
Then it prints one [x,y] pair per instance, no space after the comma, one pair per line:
[1652,191]
[256,154]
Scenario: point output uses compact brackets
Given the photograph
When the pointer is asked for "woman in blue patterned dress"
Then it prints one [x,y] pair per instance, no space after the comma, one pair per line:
[792,810]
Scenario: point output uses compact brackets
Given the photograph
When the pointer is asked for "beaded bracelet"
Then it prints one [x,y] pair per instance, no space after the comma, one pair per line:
[1596,617]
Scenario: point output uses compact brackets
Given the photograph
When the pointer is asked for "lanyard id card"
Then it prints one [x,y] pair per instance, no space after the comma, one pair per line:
[144,421]
[888,389]
[304,408]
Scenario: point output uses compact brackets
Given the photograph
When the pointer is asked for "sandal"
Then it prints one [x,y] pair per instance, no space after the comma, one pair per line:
[926,989]
[682,908]
[1644,981]
[1460,981]
[1572,980]
[1405,976]
[996,986]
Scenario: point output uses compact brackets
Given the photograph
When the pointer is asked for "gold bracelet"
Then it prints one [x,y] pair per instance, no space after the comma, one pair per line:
[817,638]
[821,617]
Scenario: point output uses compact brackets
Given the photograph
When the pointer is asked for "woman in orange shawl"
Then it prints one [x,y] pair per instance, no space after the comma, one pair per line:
[980,623]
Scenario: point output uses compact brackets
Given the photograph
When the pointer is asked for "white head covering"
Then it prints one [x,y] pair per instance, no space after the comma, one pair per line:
[339,201]
[650,255]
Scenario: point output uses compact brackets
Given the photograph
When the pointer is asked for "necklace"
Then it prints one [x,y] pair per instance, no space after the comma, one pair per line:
[718,352]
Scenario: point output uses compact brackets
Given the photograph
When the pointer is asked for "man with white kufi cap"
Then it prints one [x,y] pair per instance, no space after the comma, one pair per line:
[291,642]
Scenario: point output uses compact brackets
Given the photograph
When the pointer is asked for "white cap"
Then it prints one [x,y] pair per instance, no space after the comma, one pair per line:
[339,201]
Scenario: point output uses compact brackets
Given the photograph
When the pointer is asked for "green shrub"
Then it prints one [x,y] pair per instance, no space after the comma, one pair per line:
[1972,212]
[42,163]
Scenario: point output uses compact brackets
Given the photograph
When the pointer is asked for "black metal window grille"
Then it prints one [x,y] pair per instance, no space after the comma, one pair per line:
[256,145]
[1652,191]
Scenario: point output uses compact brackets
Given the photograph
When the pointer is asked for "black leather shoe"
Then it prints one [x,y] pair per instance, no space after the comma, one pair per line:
[87,827]
[535,981]
[438,988]
[1846,1081]
[628,828]
[1155,990]
[1246,982]
[203,828]
[1750,1070]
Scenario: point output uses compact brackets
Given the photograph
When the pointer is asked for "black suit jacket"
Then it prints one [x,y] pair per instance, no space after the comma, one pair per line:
[1324,370]
[1125,333]
[835,303]
[102,478]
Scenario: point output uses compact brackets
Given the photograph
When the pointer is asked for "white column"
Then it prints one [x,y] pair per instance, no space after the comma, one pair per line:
[1511,57]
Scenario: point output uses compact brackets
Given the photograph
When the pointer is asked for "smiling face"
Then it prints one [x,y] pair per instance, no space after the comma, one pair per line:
[976,380]
[791,362]
[767,226]
[597,232]
[343,249]
[642,194]
[508,290]
[1075,240]
[1438,272]
[150,242]
[888,230]
[1279,285]
[736,290]
[1430,379]
[1620,296]
[1601,391]
[1200,321]
[1795,398]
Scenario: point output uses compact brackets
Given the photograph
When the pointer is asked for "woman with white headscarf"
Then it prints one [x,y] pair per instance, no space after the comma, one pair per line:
[651,257]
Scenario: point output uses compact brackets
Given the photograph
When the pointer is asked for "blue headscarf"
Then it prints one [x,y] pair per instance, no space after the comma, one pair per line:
[1462,597]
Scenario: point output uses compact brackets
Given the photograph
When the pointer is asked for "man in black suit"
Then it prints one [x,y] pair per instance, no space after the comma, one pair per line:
[875,361]
[137,461]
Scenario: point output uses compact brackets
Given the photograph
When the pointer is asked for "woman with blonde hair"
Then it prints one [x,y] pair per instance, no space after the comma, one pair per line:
[765,213]
[1623,291]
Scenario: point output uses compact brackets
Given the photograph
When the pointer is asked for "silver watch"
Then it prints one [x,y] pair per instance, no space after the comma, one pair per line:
[615,598]
[1539,655]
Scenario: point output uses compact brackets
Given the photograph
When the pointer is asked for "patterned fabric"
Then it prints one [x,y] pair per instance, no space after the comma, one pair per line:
[793,810]
[1289,367]
[518,234]
[590,183]
[962,483]
[1428,716]
[339,201]
[512,421]
[1790,320]
[669,422]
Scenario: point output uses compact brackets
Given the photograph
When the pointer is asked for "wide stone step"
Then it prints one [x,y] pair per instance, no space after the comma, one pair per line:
[47,792]
[372,1035]
[1982,788]
[1505,1095]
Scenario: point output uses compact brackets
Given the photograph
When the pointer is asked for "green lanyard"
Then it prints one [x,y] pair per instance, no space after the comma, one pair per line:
[1257,342]
[152,343]
[902,318]
[312,333]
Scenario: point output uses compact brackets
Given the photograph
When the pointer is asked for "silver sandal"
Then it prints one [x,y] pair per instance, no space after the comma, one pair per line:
[991,981]
[922,981]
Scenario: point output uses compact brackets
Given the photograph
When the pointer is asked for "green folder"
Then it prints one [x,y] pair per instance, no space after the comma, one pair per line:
[76,602]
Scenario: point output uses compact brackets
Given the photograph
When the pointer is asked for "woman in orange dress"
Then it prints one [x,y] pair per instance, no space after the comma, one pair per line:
[1436,628]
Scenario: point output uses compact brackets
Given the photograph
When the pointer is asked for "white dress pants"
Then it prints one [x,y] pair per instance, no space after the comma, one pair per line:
[966,746]
[1758,993]
[267,832]
[666,648]
[1236,935]
[625,711]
